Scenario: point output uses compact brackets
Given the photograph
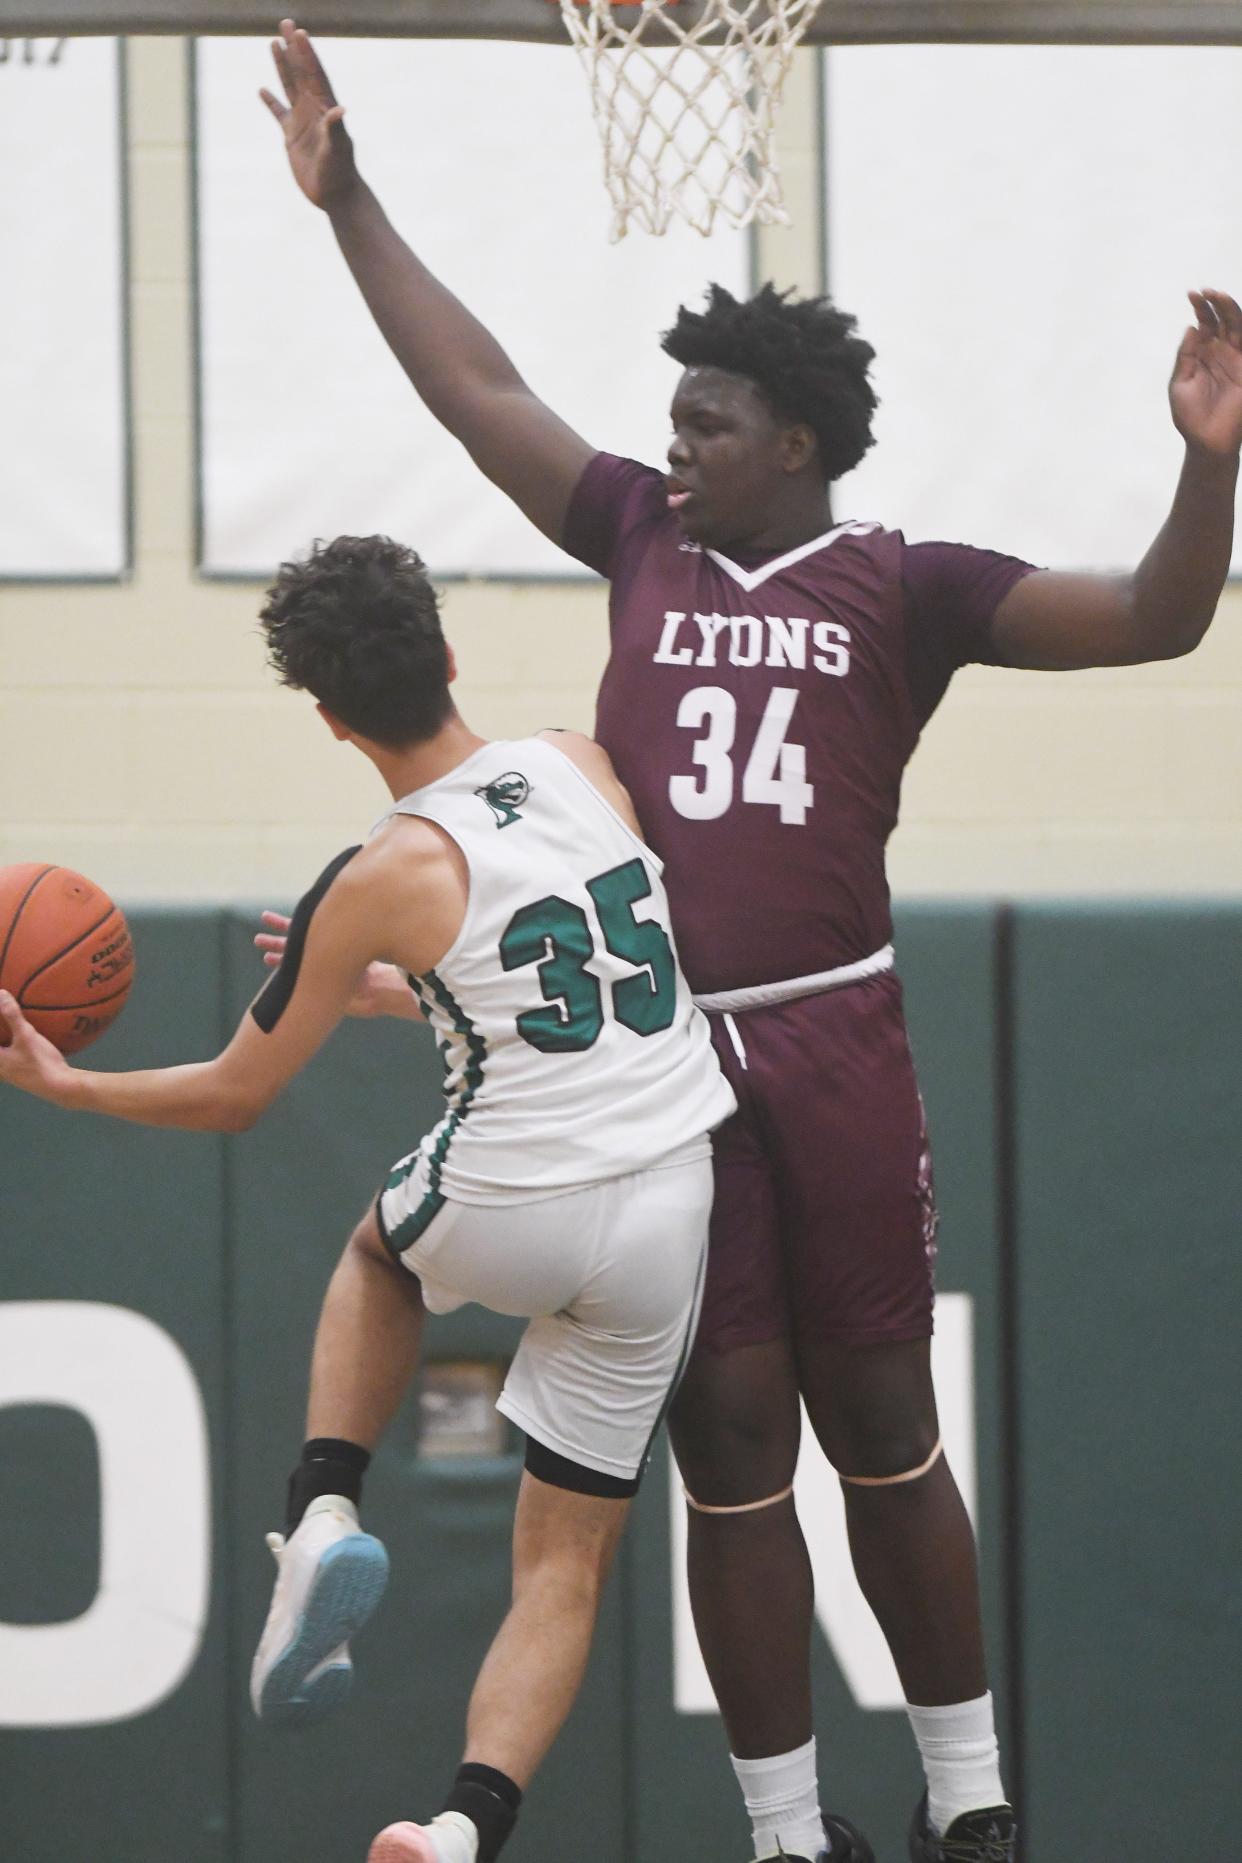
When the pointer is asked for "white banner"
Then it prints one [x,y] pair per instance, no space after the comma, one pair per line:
[63,498]
[487,159]
[1016,229]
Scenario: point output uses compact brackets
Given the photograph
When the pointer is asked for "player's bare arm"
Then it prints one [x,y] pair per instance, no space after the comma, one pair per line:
[596,765]
[424,861]
[1057,622]
[383,989]
[457,367]
[231,1092]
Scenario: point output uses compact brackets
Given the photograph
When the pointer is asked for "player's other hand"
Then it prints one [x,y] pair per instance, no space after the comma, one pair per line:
[27,1059]
[272,943]
[1206,390]
[382,990]
[317,142]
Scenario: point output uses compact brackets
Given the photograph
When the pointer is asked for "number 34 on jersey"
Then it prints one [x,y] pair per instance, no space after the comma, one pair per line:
[774,775]
[775,772]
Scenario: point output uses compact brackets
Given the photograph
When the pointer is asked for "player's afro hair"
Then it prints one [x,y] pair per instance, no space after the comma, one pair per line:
[358,626]
[803,357]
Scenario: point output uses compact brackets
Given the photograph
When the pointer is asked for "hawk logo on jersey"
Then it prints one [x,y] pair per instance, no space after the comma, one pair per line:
[505,797]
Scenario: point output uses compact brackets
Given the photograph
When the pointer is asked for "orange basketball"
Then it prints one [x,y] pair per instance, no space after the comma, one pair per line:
[65,953]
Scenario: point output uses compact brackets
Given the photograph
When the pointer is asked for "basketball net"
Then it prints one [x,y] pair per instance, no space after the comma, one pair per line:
[688,123]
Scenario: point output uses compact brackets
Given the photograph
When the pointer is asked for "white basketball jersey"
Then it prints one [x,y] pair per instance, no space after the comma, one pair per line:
[571,1047]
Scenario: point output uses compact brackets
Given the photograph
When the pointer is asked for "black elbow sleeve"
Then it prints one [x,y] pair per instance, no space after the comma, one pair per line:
[273,999]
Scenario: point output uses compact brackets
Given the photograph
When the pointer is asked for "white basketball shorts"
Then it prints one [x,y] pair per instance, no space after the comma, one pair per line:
[610,1278]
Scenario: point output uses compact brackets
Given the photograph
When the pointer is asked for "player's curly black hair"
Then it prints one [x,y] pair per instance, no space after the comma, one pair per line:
[803,357]
[357,624]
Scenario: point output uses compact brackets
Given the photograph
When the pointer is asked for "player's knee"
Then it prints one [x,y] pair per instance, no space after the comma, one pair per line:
[728,1459]
[873,1408]
[556,1589]
[568,1567]
[883,1451]
[735,1425]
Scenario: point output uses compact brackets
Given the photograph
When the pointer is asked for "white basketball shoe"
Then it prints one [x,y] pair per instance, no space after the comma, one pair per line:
[329,1578]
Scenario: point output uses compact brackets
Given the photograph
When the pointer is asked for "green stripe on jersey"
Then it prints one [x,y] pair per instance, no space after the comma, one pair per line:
[476,1047]
[408,1231]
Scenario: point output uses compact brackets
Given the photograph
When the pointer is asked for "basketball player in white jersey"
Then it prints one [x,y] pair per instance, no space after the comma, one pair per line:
[569,1181]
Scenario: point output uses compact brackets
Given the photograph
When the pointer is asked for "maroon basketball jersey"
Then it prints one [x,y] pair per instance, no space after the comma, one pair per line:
[761,713]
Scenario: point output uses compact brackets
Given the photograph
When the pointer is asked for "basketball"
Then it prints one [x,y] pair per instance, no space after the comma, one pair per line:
[65,953]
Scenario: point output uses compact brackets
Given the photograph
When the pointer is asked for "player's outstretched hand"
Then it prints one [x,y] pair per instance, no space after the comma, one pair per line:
[1206,391]
[382,990]
[317,142]
[27,1059]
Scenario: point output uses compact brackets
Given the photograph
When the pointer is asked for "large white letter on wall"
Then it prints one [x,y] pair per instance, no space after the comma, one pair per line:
[843,1613]
[63,474]
[136,1641]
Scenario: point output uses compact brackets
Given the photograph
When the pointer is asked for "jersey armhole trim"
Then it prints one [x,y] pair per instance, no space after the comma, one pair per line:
[463,928]
[606,805]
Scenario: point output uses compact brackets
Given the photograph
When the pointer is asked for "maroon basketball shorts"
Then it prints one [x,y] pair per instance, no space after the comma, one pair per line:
[824,1221]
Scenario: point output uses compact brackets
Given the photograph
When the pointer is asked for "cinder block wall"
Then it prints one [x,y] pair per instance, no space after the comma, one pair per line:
[142,740]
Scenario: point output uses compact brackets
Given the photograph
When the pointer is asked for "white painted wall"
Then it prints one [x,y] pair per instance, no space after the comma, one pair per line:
[142,740]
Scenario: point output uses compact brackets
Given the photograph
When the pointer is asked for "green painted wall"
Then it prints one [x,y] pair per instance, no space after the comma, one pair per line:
[1081,1073]
[1128,1059]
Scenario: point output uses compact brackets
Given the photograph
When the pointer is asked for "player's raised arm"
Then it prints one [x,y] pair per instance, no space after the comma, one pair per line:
[457,367]
[1164,609]
[274,1040]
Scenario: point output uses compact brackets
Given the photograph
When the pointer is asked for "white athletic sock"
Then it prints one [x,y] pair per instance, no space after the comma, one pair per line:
[455,1837]
[782,1798]
[960,1757]
[331,1504]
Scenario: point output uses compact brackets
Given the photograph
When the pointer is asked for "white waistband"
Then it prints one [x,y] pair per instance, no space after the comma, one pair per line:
[764,995]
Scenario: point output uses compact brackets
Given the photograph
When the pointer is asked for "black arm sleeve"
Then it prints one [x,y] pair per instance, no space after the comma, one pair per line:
[273,999]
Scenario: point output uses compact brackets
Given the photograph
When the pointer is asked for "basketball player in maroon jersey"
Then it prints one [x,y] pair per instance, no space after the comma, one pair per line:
[770,676]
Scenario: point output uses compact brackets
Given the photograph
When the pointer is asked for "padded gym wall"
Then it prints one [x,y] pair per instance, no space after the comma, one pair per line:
[103,1222]
[1119,1030]
[1127,1033]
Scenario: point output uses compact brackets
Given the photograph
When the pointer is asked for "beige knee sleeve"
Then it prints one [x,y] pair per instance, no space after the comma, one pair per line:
[893,1481]
[747,1507]
[856,1481]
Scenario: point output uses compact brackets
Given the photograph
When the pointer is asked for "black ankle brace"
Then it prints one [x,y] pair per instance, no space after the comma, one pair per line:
[491,1801]
[329,1465]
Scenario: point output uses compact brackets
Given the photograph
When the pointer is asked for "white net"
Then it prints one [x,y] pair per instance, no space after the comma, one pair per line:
[685,94]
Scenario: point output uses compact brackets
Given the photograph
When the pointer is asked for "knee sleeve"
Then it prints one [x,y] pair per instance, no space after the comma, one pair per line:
[857,1481]
[746,1507]
[893,1481]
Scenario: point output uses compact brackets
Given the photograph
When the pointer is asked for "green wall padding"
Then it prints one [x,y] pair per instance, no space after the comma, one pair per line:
[100,1211]
[1126,1025]
[1128,1035]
